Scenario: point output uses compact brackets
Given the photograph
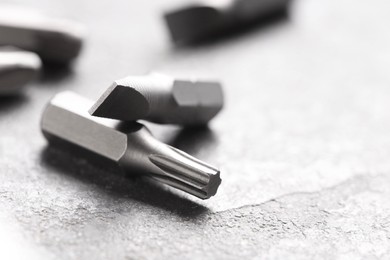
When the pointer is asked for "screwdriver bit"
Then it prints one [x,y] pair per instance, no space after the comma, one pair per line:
[160,99]
[128,145]
[17,68]
[54,40]
[205,19]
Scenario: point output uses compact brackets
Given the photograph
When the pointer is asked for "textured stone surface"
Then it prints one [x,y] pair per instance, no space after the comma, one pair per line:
[303,143]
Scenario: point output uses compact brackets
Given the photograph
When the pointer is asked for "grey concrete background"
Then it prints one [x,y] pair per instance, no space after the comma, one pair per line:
[303,143]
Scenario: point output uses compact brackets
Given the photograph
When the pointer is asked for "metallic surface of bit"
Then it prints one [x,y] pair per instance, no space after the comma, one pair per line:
[17,68]
[54,40]
[210,18]
[160,99]
[131,146]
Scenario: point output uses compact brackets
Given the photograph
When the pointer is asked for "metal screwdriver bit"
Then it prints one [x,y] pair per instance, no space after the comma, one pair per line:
[212,17]
[54,40]
[161,99]
[17,68]
[129,145]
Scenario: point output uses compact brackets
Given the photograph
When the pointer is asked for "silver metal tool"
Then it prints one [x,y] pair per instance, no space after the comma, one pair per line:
[212,17]
[161,99]
[54,40]
[129,145]
[17,68]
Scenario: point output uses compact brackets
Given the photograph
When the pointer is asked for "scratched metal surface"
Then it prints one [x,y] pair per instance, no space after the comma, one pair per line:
[303,143]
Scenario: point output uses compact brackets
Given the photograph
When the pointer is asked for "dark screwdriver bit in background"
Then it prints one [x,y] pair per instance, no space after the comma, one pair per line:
[54,40]
[207,19]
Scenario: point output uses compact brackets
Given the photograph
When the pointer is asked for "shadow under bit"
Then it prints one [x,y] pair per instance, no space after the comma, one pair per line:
[116,183]
[193,139]
[55,72]
[11,101]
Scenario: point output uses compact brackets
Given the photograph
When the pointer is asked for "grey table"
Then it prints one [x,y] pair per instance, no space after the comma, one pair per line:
[303,143]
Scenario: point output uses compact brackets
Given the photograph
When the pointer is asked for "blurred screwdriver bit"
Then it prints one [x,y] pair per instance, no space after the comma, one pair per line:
[54,40]
[17,68]
[130,146]
[161,99]
[205,19]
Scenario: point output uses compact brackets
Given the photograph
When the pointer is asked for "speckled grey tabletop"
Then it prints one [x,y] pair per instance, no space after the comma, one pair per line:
[303,143]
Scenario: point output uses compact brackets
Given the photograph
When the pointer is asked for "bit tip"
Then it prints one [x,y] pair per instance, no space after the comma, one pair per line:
[121,102]
[184,172]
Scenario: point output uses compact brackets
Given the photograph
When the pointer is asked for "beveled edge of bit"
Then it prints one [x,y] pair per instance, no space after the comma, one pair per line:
[118,99]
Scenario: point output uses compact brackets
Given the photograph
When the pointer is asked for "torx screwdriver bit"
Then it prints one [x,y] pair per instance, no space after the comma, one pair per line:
[54,40]
[129,145]
[17,68]
[209,18]
[160,99]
